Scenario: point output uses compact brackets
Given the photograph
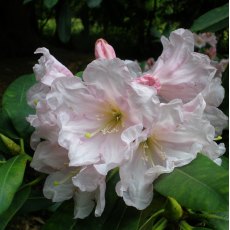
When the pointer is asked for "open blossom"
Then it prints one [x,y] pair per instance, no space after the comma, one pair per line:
[109,108]
[144,124]
[171,140]
[182,73]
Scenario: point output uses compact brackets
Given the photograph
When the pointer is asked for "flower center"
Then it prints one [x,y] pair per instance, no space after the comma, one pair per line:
[113,123]
[152,152]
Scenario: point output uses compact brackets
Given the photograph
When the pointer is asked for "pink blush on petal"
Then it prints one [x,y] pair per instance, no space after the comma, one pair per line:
[149,80]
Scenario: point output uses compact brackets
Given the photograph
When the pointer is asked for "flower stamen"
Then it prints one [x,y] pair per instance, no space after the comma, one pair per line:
[113,124]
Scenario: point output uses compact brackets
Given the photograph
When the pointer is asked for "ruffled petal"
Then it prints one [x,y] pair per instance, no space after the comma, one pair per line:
[49,68]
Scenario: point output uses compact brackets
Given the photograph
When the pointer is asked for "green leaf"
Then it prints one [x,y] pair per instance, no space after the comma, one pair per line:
[15,104]
[152,212]
[11,176]
[200,185]
[27,1]
[64,23]
[35,202]
[18,201]
[6,126]
[62,218]
[218,221]
[50,3]
[112,200]
[225,162]
[123,217]
[10,144]
[93,3]
[79,74]
[213,20]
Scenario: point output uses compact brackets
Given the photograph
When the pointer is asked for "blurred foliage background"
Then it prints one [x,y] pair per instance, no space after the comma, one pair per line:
[132,27]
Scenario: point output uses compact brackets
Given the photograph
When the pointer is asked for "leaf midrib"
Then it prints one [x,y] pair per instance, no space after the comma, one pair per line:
[8,171]
[201,182]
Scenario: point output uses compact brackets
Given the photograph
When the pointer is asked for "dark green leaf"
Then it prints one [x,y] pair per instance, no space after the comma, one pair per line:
[64,23]
[62,218]
[218,221]
[111,202]
[36,202]
[11,176]
[50,3]
[6,126]
[200,185]
[225,162]
[15,104]
[93,3]
[218,26]
[123,217]
[27,1]
[19,199]
[212,19]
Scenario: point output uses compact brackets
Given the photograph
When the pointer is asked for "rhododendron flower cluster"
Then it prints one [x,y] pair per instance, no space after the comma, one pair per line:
[118,117]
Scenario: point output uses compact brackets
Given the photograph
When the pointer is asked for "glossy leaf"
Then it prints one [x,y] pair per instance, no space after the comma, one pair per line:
[200,185]
[213,20]
[11,176]
[15,104]
[50,3]
[18,201]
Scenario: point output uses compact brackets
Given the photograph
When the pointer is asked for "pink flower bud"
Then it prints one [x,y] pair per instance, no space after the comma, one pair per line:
[104,50]
[149,80]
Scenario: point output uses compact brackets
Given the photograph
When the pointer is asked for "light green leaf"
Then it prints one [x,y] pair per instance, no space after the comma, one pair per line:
[213,20]
[201,185]
[11,176]
[64,23]
[15,104]
[79,74]
[18,201]
[50,3]
[13,147]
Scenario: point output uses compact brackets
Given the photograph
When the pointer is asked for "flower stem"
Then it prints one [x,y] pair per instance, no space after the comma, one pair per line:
[34,182]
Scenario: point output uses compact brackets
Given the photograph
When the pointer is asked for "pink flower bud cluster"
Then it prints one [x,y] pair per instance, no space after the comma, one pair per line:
[116,116]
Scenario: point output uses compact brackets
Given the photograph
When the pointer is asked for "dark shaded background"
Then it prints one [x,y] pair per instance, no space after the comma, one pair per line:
[132,27]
